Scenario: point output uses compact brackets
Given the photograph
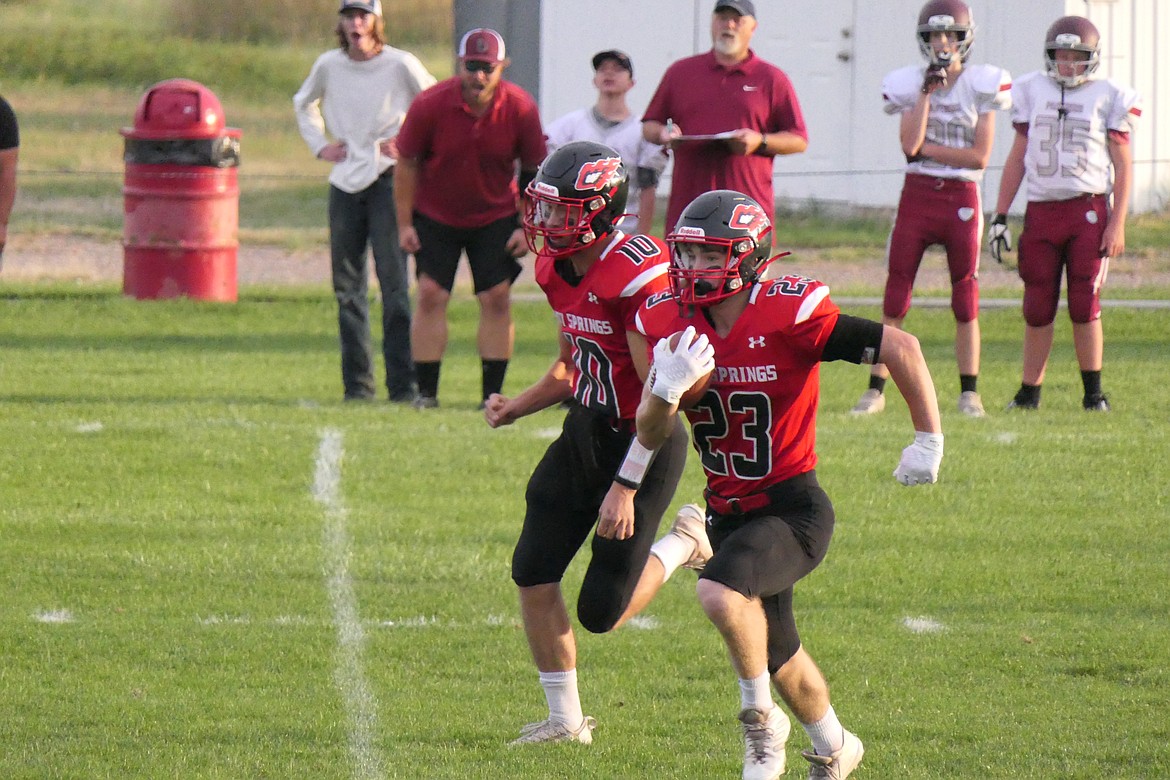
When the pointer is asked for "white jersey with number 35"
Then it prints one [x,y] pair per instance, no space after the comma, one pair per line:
[954,111]
[1068,133]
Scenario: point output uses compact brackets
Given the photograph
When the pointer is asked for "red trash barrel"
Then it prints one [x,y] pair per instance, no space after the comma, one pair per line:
[181,197]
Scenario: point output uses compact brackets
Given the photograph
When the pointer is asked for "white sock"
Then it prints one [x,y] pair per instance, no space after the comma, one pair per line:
[564,703]
[673,550]
[756,694]
[827,734]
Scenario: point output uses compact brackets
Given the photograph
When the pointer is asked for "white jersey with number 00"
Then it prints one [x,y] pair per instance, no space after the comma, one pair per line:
[954,111]
[1068,133]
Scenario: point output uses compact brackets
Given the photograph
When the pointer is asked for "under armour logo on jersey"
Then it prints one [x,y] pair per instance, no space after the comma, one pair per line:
[755,341]
[596,174]
[592,298]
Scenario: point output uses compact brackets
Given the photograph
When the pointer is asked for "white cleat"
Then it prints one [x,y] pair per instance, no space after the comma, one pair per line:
[691,523]
[840,764]
[871,402]
[555,731]
[971,404]
[764,736]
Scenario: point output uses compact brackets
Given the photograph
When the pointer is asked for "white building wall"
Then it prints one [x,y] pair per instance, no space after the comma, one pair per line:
[836,53]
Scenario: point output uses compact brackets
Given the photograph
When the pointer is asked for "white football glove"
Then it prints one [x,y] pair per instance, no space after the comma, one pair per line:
[675,371]
[920,461]
[999,238]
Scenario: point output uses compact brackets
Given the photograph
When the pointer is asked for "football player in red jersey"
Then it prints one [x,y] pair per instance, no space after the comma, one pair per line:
[769,521]
[595,278]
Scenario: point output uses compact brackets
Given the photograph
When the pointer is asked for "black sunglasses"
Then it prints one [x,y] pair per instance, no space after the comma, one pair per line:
[479,66]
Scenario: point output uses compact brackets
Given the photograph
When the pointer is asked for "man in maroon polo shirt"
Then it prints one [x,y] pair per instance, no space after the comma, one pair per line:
[456,191]
[731,92]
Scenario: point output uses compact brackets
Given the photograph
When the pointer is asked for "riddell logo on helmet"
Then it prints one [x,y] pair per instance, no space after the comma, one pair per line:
[595,175]
[544,188]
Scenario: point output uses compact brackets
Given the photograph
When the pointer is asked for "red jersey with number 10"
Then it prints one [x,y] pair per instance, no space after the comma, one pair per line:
[756,425]
[597,311]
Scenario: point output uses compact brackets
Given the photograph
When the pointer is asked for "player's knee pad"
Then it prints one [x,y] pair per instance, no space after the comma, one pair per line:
[1039,306]
[965,299]
[532,565]
[896,301]
[782,645]
[1084,301]
[598,616]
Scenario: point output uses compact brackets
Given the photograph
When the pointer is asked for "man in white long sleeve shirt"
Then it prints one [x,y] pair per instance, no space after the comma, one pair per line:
[359,93]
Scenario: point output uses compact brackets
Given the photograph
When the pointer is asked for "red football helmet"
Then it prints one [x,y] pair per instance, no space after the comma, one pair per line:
[1073,33]
[951,16]
[724,224]
[577,196]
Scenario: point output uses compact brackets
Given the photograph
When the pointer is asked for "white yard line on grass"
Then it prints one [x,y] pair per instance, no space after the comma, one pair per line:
[360,704]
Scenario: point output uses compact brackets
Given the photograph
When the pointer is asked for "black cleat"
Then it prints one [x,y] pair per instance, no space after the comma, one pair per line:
[1096,403]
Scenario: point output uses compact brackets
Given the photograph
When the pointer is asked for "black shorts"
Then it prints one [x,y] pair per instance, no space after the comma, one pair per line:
[487,254]
[564,496]
[762,554]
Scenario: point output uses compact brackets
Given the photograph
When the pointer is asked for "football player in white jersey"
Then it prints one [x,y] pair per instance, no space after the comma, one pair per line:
[947,114]
[610,122]
[1072,146]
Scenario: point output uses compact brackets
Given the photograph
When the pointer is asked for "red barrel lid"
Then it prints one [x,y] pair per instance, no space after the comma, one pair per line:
[178,108]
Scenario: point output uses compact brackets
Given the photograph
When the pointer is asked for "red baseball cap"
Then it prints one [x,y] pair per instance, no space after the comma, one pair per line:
[482,44]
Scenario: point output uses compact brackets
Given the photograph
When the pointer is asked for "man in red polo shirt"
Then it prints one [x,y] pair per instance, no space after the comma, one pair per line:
[730,92]
[456,191]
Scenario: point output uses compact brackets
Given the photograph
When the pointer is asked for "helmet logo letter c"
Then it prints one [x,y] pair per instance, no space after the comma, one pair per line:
[595,175]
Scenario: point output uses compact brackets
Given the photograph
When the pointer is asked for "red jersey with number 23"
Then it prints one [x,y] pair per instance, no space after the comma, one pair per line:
[596,312]
[756,425]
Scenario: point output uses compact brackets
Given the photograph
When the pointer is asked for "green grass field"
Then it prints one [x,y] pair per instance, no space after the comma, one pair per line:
[212,568]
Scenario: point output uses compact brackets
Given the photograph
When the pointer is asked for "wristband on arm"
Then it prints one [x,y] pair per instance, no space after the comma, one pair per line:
[637,462]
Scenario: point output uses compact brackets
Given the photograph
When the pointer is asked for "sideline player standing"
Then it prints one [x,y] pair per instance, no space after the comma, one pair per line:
[595,278]
[755,429]
[947,128]
[361,91]
[1071,131]
[610,122]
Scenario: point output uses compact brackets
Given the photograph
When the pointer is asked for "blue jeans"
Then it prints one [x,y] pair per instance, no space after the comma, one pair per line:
[358,220]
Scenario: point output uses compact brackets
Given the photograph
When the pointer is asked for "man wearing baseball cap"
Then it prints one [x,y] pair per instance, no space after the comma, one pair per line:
[741,7]
[358,93]
[728,91]
[458,192]
[609,121]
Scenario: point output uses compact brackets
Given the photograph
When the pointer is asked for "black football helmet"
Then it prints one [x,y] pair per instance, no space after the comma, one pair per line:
[951,16]
[726,222]
[1072,33]
[576,198]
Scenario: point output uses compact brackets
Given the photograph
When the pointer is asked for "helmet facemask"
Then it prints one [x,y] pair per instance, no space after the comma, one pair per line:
[705,270]
[1082,70]
[562,225]
[946,16]
[576,198]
